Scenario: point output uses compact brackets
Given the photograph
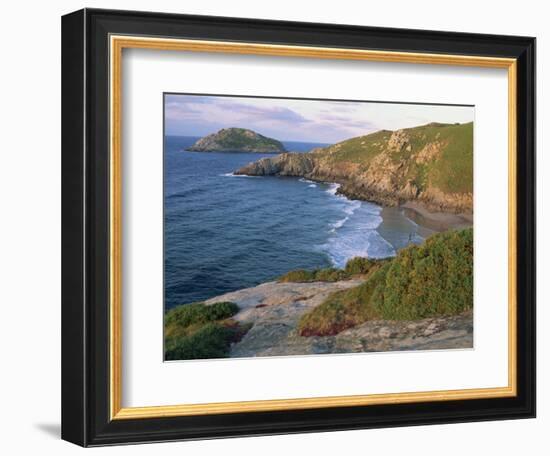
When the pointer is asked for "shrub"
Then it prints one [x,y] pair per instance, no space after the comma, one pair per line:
[342,309]
[300,275]
[355,266]
[359,265]
[433,279]
[198,313]
[211,341]
[193,331]
[329,275]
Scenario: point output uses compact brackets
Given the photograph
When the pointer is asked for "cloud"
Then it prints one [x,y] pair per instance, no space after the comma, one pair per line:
[227,109]
[298,120]
[185,112]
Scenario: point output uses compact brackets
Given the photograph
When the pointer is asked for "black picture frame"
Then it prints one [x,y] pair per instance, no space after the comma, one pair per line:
[85,225]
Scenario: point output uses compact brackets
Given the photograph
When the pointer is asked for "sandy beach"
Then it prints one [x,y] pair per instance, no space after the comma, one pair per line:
[436,221]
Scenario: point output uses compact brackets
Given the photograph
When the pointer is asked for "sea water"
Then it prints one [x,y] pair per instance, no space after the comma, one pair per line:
[224,232]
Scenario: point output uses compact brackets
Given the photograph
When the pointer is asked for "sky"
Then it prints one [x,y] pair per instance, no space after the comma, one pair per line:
[321,121]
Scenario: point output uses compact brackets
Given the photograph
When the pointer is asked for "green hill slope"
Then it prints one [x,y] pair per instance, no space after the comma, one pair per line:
[432,164]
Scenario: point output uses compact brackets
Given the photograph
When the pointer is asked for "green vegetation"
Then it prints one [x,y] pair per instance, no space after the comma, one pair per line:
[361,149]
[354,267]
[431,164]
[210,341]
[360,266]
[197,331]
[432,279]
[237,139]
[317,275]
[454,172]
[451,171]
[184,319]
[342,309]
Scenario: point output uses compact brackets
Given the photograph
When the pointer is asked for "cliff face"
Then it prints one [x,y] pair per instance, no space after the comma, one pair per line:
[237,140]
[287,164]
[431,164]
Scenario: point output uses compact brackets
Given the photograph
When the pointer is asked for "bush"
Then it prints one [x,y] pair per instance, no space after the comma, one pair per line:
[359,265]
[193,331]
[329,275]
[433,279]
[354,267]
[210,341]
[342,309]
[299,276]
[198,313]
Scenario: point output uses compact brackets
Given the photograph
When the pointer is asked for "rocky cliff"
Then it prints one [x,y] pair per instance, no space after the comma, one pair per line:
[431,164]
[237,140]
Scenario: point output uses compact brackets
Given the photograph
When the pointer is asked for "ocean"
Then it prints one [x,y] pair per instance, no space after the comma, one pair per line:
[224,232]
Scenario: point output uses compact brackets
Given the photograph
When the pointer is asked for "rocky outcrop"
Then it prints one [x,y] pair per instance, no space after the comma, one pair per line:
[287,164]
[389,168]
[430,152]
[237,140]
[399,140]
[274,309]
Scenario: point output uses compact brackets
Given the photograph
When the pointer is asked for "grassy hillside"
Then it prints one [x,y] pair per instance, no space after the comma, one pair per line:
[431,164]
[450,168]
[432,279]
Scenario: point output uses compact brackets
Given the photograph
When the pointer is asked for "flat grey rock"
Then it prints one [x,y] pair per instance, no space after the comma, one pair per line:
[274,310]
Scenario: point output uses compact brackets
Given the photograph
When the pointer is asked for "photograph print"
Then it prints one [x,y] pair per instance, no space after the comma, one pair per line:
[300,227]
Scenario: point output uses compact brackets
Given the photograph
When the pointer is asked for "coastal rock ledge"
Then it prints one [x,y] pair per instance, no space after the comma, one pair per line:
[273,310]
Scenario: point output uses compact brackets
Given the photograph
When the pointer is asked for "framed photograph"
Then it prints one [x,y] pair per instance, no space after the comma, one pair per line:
[278,227]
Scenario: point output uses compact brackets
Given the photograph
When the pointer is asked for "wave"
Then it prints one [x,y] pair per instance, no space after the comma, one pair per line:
[307,181]
[338,224]
[352,207]
[349,210]
[237,175]
[312,185]
[368,243]
[356,233]
[333,188]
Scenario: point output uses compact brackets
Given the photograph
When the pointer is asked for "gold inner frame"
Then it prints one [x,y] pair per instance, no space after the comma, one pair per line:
[117,44]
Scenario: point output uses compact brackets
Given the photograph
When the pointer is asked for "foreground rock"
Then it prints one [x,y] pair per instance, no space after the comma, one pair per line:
[274,309]
[430,164]
[237,140]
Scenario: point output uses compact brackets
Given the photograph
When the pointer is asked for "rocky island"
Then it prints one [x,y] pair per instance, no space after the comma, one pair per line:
[237,140]
[430,165]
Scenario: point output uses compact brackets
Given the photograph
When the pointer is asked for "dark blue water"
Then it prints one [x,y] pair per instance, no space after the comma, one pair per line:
[225,232]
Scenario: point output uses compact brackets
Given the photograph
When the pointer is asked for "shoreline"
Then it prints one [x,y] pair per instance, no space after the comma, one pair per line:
[400,230]
[419,213]
[436,221]
[428,221]
[425,221]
